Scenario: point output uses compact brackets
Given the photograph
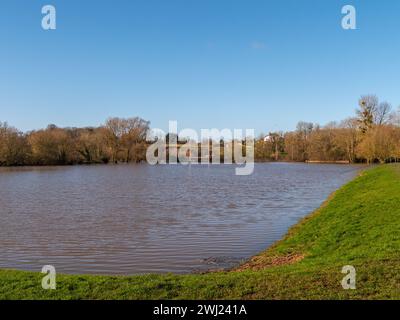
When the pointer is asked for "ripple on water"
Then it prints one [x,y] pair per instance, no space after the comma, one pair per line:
[130,219]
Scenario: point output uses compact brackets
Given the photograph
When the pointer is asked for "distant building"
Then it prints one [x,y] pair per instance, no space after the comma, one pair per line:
[267,138]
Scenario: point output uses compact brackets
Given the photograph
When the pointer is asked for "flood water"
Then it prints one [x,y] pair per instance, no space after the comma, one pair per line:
[130,219]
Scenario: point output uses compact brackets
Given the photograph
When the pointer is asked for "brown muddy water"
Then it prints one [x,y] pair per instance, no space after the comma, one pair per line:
[130,219]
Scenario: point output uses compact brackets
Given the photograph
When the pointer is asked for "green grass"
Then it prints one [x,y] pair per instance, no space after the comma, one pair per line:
[359,225]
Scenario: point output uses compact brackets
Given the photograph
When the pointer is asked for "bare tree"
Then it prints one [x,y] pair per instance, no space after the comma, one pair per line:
[368,106]
[347,137]
[304,130]
[382,113]
[394,117]
[125,135]
[134,135]
[14,149]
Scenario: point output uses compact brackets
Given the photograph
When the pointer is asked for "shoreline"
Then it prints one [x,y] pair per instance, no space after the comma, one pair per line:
[309,255]
[194,163]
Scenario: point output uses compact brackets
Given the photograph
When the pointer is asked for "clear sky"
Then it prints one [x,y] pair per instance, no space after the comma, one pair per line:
[205,63]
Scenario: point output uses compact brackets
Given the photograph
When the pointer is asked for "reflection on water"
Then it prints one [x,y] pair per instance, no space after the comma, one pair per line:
[129,219]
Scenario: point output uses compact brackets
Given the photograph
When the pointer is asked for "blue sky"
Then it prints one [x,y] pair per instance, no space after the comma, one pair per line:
[205,63]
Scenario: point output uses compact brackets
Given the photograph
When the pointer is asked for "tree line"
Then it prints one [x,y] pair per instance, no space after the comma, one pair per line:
[118,140]
[372,135]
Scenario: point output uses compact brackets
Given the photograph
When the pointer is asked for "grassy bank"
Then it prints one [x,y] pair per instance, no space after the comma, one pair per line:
[359,225]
